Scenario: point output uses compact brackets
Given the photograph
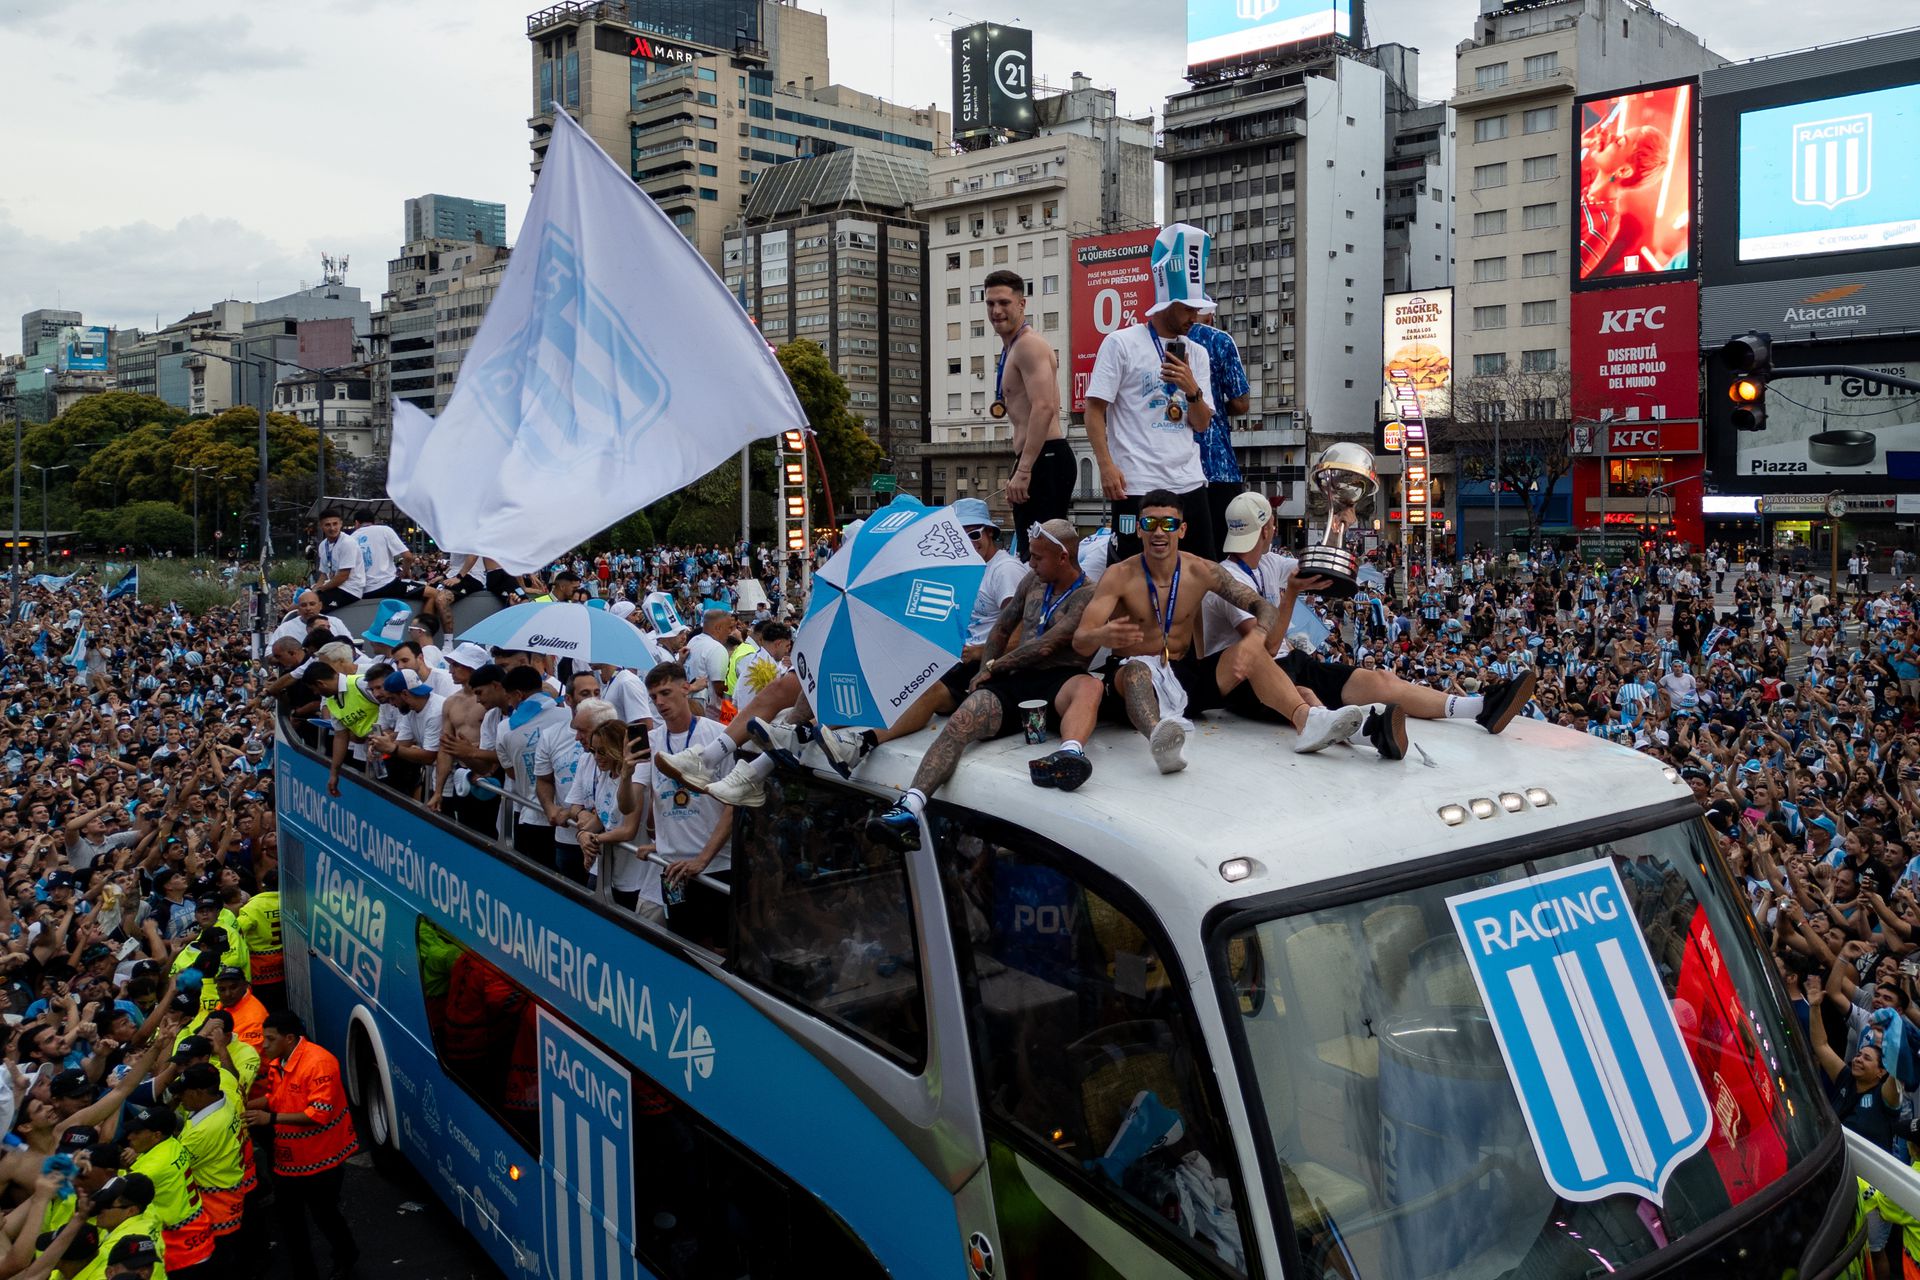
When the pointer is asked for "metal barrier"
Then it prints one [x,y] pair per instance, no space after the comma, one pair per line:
[511,798]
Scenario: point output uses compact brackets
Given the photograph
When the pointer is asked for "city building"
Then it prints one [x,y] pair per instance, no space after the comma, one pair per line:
[62,359]
[340,405]
[1299,167]
[43,325]
[696,98]
[830,250]
[1517,77]
[1020,204]
[437,217]
[437,292]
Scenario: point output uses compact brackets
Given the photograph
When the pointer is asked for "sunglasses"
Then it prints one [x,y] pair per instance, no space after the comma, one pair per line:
[977,534]
[1160,524]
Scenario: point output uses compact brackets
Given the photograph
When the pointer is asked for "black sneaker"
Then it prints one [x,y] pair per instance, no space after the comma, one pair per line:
[1504,701]
[1386,729]
[1065,770]
[897,828]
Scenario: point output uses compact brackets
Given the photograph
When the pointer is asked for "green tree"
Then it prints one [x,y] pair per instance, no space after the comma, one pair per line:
[850,455]
[152,526]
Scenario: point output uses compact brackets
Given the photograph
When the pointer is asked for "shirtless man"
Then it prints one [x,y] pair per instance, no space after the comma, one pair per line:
[1044,667]
[1148,611]
[1027,394]
[461,740]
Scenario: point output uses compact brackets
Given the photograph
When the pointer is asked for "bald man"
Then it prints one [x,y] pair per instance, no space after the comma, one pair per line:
[305,617]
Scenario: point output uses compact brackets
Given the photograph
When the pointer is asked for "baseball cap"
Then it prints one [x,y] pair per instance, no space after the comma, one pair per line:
[71,1083]
[134,1251]
[139,1118]
[135,1189]
[191,1047]
[77,1138]
[401,682]
[1247,515]
[200,1075]
[469,655]
[972,513]
[230,972]
[623,608]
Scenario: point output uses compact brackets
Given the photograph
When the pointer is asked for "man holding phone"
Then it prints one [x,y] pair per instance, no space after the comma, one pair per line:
[1147,397]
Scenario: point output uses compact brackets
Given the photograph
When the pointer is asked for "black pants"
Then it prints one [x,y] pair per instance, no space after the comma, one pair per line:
[316,1195]
[1220,494]
[1198,537]
[535,843]
[1049,492]
[478,812]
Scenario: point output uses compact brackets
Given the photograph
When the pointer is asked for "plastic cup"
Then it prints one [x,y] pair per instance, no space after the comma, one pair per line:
[1033,720]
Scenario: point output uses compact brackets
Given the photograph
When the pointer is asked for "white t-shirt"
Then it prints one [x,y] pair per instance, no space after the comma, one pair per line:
[684,819]
[517,746]
[708,657]
[1004,576]
[294,627]
[1151,452]
[422,727]
[1220,621]
[557,755]
[593,788]
[627,693]
[379,548]
[343,553]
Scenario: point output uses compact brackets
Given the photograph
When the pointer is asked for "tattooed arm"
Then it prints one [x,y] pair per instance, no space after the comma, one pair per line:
[1011,615]
[1098,629]
[1238,594]
[1045,647]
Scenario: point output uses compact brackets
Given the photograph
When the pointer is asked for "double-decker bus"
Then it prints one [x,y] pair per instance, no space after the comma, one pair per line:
[1497,1013]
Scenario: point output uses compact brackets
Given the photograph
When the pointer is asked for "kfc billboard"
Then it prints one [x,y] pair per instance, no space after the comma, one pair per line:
[1112,288]
[1634,161]
[1626,439]
[1636,354]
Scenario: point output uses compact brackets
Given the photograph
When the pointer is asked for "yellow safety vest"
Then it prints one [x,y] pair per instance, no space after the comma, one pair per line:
[734,660]
[355,710]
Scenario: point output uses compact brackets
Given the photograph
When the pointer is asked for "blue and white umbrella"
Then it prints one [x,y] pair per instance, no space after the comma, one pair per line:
[888,615]
[589,636]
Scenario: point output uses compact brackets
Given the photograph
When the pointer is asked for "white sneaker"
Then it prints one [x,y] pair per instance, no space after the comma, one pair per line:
[844,749]
[743,787]
[1168,742]
[1325,727]
[687,765]
[781,741]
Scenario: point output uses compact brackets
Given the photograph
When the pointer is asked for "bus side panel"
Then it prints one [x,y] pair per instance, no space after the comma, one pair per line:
[373,866]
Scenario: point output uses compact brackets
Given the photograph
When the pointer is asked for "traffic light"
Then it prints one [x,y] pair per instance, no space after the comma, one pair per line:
[1749,359]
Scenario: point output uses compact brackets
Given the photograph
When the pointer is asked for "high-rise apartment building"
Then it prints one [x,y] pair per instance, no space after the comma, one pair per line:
[1517,77]
[1019,205]
[830,250]
[438,217]
[696,98]
[44,325]
[437,292]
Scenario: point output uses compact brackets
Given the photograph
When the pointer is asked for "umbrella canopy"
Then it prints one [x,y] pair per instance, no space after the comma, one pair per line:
[888,614]
[588,636]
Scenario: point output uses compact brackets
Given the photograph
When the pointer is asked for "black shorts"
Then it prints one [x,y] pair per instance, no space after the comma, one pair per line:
[337,598]
[957,678]
[1042,684]
[398,589]
[1198,676]
[1325,679]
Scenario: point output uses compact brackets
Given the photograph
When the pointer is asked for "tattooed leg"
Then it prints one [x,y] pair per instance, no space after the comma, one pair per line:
[975,720]
[1135,684]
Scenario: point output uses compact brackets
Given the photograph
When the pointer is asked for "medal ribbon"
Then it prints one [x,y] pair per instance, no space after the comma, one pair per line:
[1160,347]
[1000,368]
[1253,575]
[1048,607]
[1173,598]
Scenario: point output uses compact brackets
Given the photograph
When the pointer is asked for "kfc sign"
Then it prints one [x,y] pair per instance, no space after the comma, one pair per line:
[1662,438]
[1635,354]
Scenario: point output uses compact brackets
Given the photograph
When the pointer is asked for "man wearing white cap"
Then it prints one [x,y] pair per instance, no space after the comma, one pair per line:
[1147,398]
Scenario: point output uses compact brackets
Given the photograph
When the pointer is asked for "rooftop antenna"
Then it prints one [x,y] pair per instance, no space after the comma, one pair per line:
[333,270]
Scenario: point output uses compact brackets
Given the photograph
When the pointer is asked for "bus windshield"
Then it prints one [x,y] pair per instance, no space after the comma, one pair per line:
[1399,1137]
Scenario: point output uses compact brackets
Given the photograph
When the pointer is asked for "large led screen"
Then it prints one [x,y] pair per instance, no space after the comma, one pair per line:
[1221,29]
[1636,184]
[1835,175]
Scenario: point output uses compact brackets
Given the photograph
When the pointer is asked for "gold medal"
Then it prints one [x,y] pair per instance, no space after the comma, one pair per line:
[682,798]
[1174,413]
[999,409]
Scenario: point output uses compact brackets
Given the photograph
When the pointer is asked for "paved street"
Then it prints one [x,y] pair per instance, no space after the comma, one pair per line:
[405,1233]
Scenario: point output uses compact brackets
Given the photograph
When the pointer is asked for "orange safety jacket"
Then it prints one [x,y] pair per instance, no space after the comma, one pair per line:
[307,1083]
[249,1019]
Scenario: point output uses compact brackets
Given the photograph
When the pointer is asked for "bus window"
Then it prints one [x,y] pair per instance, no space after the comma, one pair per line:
[1085,1040]
[483,1027]
[707,1209]
[823,914]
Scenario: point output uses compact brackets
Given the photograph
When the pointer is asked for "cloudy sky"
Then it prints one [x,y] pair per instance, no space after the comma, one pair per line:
[165,156]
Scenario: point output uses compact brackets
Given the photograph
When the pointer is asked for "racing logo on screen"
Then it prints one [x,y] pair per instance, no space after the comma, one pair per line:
[1587,1031]
[1255,10]
[1832,161]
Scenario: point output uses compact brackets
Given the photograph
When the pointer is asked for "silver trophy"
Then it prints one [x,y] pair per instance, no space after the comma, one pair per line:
[1345,477]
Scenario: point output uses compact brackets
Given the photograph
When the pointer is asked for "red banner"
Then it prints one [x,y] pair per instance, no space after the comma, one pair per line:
[1636,354]
[1112,288]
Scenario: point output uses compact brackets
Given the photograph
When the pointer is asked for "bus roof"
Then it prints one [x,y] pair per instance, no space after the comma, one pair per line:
[1302,819]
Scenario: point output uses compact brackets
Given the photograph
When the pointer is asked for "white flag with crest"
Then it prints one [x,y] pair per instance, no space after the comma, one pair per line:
[612,369]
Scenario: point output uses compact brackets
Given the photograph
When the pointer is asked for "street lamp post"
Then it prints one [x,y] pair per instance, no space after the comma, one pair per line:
[196,503]
[43,504]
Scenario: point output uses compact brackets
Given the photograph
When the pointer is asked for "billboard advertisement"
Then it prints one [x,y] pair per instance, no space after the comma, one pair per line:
[992,80]
[1634,157]
[1417,344]
[1112,288]
[1635,353]
[1220,30]
[1832,175]
[1836,426]
[84,350]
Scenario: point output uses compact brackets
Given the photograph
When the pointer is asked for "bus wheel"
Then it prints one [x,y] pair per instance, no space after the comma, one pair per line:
[373,1117]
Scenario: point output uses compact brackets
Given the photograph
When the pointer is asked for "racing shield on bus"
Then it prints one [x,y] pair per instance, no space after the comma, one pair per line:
[1610,1095]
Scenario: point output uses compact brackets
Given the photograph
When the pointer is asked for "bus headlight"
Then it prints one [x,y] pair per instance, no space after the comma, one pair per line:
[1512,801]
[1234,870]
[1481,806]
[1452,814]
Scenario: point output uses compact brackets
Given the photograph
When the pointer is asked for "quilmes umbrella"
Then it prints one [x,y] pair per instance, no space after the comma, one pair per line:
[888,614]
[588,636]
